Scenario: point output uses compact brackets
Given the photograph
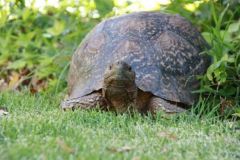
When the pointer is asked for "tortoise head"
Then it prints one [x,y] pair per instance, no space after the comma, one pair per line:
[119,88]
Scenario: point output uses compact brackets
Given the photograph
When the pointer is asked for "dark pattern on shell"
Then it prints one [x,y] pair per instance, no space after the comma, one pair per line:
[176,55]
[185,29]
[163,50]
[143,25]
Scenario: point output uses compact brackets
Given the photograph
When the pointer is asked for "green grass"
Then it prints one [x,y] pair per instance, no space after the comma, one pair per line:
[37,129]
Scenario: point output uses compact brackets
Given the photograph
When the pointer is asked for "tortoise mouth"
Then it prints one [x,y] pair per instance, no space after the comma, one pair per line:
[114,81]
[118,78]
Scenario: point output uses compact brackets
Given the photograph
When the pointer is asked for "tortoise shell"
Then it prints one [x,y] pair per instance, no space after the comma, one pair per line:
[164,51]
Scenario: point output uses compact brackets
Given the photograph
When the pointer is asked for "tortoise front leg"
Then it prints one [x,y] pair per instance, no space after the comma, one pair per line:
[86,102]
[158,104]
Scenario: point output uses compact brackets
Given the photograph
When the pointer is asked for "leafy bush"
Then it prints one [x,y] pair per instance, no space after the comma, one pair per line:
[224,73]
[36,45]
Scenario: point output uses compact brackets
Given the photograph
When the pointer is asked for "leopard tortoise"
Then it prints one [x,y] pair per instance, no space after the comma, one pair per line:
[147,61]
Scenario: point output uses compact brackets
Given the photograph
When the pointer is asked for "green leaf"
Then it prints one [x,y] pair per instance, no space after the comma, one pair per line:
[236,114]
[234,27]
[43,72]
[57,28]
[207,36]
[227,58]
[222,77]
[17,64]
[3,17]
[210,72]
[45,61]
[104,6]
[26,14]
[226,36]
[218,70]
[228,91]
[3,59]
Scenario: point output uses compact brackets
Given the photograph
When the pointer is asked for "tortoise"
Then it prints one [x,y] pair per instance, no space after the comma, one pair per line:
[146,61]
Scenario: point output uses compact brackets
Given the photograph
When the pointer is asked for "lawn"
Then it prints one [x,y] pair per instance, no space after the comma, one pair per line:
[37,129]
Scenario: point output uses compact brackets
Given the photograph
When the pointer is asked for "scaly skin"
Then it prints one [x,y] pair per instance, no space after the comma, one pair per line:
[119,88]
[86,102]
